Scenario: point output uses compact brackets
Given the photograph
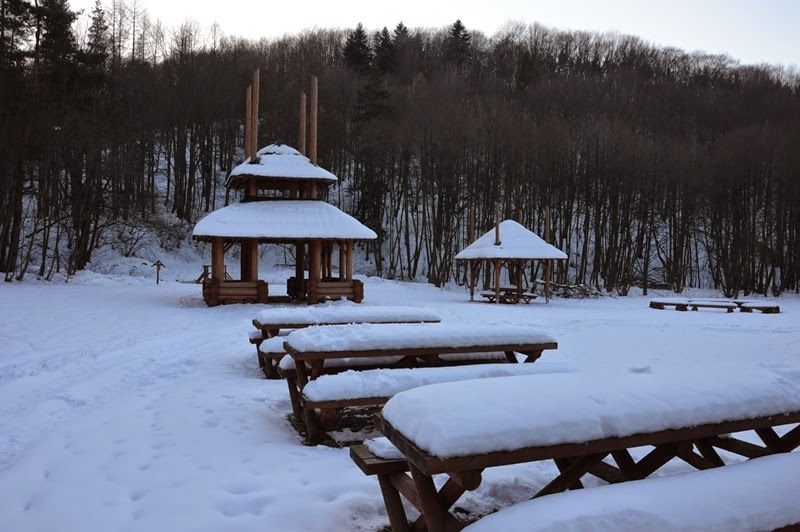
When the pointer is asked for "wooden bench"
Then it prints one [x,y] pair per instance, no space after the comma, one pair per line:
[323,397]
[765,308]
[510,295]
[314,349]
[271,322]
[662,303]
[725,498]
[728,306]
[461,429]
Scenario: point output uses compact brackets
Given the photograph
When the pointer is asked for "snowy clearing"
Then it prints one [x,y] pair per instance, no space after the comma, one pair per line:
[136,407]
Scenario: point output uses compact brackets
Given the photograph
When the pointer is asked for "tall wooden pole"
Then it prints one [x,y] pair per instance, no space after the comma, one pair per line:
[301,141]
[218,259]
[342,260]
[471,266]
[349,248]
[497,224]
[497,266]
[248,122]
[299,268]
[547,262]
[254,119]
[312,148]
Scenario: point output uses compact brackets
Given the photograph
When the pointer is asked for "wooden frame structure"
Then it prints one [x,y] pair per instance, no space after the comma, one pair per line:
[696,445]
[525,246]
[260,179]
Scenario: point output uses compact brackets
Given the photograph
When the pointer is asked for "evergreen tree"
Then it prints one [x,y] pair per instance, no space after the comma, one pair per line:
[457,45]
[97,46]
[373,99]
[57,47]
[384,51]
[14,32]
[400,34]
[357,53]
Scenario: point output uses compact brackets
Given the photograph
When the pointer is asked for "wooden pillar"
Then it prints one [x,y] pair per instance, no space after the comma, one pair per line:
[248,123]
[315,260]
[497,224]
[299,268]
[497,265]
[254,120]
[253,267]
[520,265]
[218,259]
[471,266]
[349,248]
[244,261]
[342,260]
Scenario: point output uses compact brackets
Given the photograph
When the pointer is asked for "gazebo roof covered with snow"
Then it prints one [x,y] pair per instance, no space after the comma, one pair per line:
[281,204]
[512,244]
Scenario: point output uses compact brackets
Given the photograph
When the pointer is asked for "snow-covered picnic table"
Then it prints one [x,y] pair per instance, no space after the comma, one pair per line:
[273,322]
[461,428]
[411,341]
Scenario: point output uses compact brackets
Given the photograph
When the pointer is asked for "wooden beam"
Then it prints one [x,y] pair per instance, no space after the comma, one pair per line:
[497,264]
[342,260]
[244,261]
[349,248]
[218,259]
[312,148]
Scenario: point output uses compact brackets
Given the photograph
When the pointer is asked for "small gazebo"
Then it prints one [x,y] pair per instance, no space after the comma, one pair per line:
[508,244]
[281,204]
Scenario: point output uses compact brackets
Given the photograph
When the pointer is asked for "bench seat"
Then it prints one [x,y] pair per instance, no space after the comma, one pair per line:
[761,494]
[730,306]
[766,308]
[378,385]
[661,303]
[341,313]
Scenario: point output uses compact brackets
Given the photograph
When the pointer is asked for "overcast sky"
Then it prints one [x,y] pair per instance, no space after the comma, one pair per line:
[752,31]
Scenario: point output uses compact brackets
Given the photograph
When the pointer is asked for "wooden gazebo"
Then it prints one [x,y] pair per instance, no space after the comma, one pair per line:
[281,204]
[508,244]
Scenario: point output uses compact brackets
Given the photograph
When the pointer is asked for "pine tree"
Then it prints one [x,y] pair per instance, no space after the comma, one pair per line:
[373,99]
[357,53]
[58,47]
[97,46]
[384,51]
[457,45]
[14,31]
[400,34]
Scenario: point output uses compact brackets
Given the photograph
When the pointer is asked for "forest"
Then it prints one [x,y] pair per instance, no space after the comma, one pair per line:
[657,167]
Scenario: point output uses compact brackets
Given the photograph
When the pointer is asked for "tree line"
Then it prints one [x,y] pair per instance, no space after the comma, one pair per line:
[659,168]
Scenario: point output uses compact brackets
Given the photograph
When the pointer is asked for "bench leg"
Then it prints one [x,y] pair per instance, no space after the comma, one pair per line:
[268,367]
[435,515]
[294,397]
[394,506]
[314,432]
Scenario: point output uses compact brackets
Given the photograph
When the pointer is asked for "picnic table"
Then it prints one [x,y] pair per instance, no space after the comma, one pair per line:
[316,351]
[460,429]
[509,294]
[273,322]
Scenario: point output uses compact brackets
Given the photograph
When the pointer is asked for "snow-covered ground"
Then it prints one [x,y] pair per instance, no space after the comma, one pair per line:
[130,406]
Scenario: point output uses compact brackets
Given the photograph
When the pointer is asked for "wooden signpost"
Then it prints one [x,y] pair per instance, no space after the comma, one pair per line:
[158,264]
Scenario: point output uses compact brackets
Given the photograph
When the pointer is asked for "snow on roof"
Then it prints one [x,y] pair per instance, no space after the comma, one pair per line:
[282,219]
[279,161]
[516,242]
[579,407]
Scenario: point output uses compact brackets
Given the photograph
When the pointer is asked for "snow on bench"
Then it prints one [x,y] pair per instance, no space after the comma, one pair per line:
[380,384]
[465,418]
[387,337]
[333,314]
[761,494]
[729,306]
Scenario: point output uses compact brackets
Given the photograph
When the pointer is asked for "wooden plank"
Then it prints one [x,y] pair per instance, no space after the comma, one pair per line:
[370,464]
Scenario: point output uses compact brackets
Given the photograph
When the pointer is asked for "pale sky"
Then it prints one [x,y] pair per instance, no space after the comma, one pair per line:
[752,31]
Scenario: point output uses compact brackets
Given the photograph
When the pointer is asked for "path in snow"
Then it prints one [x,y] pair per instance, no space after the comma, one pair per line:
[136,407]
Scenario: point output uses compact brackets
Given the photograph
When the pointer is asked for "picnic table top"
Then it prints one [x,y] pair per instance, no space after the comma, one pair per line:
[296,317]
[462,419]
[439,338]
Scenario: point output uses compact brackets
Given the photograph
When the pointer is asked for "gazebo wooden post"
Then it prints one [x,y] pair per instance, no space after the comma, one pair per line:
[299,268]
[349,268]
[253,255]
[254,119]
[547,262]
[497,265]
[471,266]
[520,264]
[218,259]
[342,260]
[244,261]
[314,267]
